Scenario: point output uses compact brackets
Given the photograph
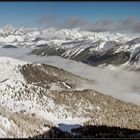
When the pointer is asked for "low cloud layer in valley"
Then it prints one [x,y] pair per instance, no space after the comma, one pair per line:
[117,83]
[111,81]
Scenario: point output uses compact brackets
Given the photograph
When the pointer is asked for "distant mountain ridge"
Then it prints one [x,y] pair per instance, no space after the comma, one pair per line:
[94,48]
[95,52]
[9,33]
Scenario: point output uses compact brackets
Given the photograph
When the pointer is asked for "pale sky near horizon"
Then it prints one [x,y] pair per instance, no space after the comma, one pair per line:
[94,16]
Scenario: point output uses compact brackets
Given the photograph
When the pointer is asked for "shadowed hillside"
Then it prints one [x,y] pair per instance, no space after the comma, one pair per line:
[91,131]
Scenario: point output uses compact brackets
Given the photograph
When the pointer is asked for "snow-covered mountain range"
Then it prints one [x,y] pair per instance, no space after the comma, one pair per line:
[94,48]
[39,91]
[33,36]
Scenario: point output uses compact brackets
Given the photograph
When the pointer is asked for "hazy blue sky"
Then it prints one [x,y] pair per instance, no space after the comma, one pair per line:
[43,14]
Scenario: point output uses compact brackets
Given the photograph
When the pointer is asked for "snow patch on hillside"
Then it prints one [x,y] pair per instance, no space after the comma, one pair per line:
[9,70]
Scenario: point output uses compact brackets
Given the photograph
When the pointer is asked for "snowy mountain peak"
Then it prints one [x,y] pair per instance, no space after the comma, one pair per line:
[26,36]
[8,29]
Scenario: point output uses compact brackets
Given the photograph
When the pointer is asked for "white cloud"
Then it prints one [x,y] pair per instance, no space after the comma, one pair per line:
[129,24]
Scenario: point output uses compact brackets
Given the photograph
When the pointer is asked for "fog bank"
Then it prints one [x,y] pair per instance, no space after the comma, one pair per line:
[110,81]
[115,82]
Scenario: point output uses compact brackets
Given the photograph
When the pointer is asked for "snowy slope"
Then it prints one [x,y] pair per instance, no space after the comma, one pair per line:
[61,99]
[17,95]
[9,69]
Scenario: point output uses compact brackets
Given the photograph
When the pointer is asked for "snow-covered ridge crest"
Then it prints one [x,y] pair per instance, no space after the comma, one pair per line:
[9,70]
[9,34]
[11,61]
